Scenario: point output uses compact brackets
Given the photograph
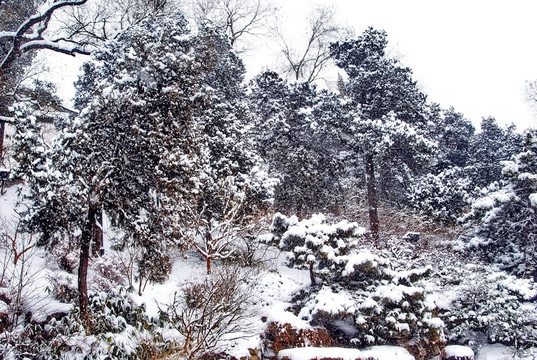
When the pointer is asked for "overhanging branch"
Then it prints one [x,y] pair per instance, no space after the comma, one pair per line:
[22,42]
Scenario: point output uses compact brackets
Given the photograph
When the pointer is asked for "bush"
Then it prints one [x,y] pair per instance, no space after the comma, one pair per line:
[314,245]
[208,312]
[366,298]
[120,330]
[491,304]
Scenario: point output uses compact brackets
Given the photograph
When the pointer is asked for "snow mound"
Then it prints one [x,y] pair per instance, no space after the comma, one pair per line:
[502,352]
[308,353]
[458,351]
[385,352]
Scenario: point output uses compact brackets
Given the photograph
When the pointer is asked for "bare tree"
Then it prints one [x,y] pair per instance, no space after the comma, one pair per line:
[207,312]
[238,18]
[307,63]
[101,20]
[530,93]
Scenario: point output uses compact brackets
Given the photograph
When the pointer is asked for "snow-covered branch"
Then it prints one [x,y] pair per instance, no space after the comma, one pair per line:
[22,40]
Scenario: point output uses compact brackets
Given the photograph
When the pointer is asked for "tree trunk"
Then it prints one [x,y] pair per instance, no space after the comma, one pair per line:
[2,132]
[530,260]
[97,235]
[372,200]
[209,248]
[85,244]
[312,275]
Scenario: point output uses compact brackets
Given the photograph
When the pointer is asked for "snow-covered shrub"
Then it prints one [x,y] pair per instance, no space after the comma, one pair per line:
[107,274]
[63,288]
[377,311]
[315,245]
[492,303]
[65,254]
[366,298]
[209,312]
[443,197]
[120,330]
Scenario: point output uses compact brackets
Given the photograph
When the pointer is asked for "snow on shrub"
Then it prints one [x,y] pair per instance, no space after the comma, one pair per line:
[119,330]
[364,300]
[315,245]
[490,303]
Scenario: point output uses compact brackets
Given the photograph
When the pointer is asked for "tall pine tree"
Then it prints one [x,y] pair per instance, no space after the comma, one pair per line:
[388,129]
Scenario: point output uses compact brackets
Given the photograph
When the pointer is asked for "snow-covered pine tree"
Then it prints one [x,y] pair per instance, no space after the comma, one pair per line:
[453,132]
[443,193]
[135,150]
[290,137]
[389,129]
[46,187]
[488,148]
[504,219]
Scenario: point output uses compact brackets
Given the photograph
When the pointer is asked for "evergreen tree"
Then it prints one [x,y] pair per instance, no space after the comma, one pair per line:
[291,136]
[389,129]
[443,193]
[235,186]
[135,149]
[504,218]
[488,148]
[453,133]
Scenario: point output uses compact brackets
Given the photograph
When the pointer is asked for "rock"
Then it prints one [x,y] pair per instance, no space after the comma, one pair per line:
[412,236]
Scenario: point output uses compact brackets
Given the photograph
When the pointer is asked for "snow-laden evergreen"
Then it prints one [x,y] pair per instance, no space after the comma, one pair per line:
[151,223]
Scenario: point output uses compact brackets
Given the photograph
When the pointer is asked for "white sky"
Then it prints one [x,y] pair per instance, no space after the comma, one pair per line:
[474,55]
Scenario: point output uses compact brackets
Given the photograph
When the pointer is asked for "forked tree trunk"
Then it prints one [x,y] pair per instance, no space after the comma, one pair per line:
[85,245]
[372,200]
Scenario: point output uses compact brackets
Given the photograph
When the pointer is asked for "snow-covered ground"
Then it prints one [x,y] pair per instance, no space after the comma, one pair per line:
[271,291]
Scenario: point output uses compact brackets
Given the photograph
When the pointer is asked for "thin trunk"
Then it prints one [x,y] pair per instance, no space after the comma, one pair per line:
[97,235]
[530,261]
[85,245]
[209,243]
[2,132]
[372,200]
[312,276]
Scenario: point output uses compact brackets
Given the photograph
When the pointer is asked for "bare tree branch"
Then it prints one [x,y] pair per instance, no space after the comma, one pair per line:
[101,20]
[309,63]
[238,18]
[22,41]
[530,91]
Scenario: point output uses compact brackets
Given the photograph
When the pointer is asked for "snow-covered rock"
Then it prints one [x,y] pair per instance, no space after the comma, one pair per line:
[457,352]
[308,353]
[386,353]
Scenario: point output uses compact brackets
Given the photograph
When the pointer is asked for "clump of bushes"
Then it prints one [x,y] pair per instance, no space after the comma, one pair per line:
[364,298]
